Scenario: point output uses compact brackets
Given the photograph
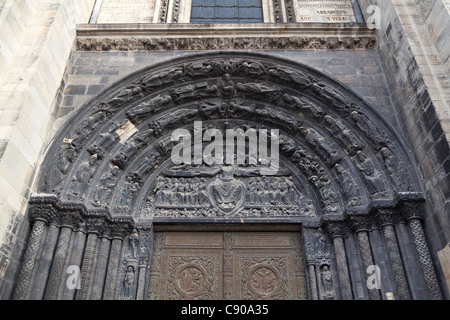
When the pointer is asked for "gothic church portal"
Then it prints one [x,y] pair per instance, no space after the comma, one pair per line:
[351,193]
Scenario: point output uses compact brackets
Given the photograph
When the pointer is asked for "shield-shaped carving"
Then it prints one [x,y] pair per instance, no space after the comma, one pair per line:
[227,194]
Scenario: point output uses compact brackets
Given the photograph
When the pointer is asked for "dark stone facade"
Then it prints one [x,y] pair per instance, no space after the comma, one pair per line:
[348,178]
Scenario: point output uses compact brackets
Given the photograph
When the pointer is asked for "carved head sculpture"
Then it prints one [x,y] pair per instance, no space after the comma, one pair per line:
[115,170]
[304,131]
[330,120]
[386,153]
[227,172]
[355,116]
[361,156]
[339,168]
[93,159]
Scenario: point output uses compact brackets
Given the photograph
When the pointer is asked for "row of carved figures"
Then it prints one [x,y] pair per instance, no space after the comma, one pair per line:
[181,192]
[272,191]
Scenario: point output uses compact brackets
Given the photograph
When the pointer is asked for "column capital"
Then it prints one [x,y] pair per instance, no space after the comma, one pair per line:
[362,223]
[412,210]
[121,227]
[388,217]
[338,229]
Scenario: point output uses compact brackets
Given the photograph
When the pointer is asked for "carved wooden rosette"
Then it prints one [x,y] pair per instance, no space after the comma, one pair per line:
[339,163]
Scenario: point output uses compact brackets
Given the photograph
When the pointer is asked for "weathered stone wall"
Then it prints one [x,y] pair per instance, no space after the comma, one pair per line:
[406,78]
[90,72]
[413,48]
[36,38]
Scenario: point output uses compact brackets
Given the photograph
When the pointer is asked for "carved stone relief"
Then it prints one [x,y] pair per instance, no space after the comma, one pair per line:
[342,150]
[338,158]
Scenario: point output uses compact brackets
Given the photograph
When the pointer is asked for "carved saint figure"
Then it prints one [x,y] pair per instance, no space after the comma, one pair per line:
[364,124]
[371,175]
[126,95]
[133,242]
[319,142]
[289,75]
[304,105]
[163,78]
[345,181]
[227,193]
[143,110]
[82,177]
[194,92]
[106,186]
[105,140]
[86,128]
[260,90]
[227,86]
[326,277]
[62,167]
[339,130]
[128,283]
[395,169]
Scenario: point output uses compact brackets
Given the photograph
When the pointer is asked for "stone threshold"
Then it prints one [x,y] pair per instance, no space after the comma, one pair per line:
[288,36]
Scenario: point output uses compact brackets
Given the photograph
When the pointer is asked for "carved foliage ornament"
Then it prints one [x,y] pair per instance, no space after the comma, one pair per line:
[225,43]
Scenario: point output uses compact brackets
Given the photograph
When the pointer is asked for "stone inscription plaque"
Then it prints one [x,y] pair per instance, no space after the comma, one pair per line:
[336,11]
[126,11]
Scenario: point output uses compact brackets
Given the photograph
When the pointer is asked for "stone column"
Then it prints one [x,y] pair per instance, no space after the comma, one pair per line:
[41,215]
[413,213]
[386,218]
[113,265]
[145,255]
[120,228]
[87,266]
[76,249]
[142,278]
[67,221]
[336,230]
[57,270]
[362,226]
[41,277]
[34,242]
[100,270]
[311,265]
[94,226]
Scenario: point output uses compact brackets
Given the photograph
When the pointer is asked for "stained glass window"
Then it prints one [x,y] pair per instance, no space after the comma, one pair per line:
[226,11]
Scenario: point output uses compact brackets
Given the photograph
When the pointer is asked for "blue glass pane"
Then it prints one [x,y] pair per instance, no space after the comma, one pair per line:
[225,12]
[195,12]
[226,3]
[257,13]
[245,13]
[208,3]
[245,3]
[207,12]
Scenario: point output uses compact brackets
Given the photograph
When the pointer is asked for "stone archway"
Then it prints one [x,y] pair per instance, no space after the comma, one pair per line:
[344,175]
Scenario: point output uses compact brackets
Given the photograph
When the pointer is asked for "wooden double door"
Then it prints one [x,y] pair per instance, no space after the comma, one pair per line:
[227,266]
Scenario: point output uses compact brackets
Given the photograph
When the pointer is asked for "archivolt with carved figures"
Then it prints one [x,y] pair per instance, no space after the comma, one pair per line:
[339,160]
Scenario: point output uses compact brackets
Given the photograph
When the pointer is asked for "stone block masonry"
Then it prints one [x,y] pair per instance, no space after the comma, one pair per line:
[413,48]
[36,38]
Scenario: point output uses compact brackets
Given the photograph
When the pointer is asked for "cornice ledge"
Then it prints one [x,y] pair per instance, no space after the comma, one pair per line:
[156,37]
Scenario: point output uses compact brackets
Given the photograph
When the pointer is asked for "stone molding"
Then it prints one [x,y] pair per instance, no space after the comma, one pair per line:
[154,37]
[49,209]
